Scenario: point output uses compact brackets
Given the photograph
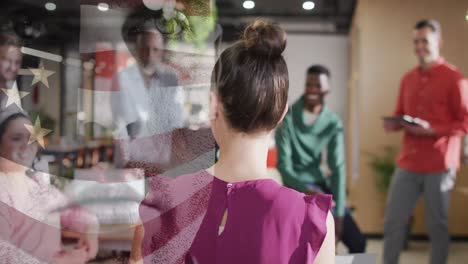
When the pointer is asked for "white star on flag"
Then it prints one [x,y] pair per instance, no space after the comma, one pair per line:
[37,132]
[14,96]
[41,75]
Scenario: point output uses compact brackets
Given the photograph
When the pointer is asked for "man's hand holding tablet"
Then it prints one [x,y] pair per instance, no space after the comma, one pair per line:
[393,123]
[412,125]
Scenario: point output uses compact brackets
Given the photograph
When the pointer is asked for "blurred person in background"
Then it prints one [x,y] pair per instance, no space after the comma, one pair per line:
[10,62]
[434,95]
[310,134]
[33,212]
[147,103]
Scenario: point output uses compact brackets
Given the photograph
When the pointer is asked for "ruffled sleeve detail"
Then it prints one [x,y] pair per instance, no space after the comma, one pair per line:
[315,224]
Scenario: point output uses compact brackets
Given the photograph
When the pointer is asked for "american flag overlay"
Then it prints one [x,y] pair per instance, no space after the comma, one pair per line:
[104,129]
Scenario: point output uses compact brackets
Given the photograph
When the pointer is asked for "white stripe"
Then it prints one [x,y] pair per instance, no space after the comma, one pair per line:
[41,54]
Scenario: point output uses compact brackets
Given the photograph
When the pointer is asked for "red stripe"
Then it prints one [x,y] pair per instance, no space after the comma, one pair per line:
[172,221]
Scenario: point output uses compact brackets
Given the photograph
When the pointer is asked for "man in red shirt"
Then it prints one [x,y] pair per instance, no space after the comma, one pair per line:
[433,100]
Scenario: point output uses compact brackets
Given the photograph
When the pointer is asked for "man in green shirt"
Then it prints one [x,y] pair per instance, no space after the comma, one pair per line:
[310,133]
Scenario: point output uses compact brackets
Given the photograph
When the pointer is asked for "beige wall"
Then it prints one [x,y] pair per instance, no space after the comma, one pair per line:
[381,52]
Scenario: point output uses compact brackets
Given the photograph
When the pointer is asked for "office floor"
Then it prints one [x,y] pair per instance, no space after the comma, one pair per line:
[418,253]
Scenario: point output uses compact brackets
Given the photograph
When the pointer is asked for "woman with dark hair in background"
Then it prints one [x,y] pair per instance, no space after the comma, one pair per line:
[240,215]
[32,213]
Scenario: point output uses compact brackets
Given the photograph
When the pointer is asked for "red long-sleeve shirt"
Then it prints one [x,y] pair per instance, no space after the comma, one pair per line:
[438,95]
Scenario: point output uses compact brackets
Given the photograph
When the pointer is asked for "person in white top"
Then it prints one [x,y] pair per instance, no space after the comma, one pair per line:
[148,103]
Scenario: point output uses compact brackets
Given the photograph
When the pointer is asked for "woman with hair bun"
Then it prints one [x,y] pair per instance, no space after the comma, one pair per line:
[251,218]
[248,217]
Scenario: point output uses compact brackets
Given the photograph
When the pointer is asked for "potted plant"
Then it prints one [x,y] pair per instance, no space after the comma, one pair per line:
[383,166]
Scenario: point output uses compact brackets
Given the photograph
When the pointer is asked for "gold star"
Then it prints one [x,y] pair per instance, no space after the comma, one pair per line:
[41,75]
[37,132]
[14,96]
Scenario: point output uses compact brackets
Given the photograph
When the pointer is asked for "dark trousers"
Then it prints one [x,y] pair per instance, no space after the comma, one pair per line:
[351,237]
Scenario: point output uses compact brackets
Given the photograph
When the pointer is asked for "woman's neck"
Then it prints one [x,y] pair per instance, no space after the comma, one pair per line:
[242,157]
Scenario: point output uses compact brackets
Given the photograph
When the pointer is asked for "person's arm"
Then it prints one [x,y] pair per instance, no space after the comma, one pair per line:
[86,225]
[336,163]
[399,109]
[124,113]
[458,103]
[284,165]
[136,256]
[179,104]
[392,126]
[326,254]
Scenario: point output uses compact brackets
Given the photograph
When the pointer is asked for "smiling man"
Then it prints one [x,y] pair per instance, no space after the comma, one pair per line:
[435,93]
[310,134]
[10,62]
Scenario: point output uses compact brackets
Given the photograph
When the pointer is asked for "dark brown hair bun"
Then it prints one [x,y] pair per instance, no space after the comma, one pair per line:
[251,78]
[265,38]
